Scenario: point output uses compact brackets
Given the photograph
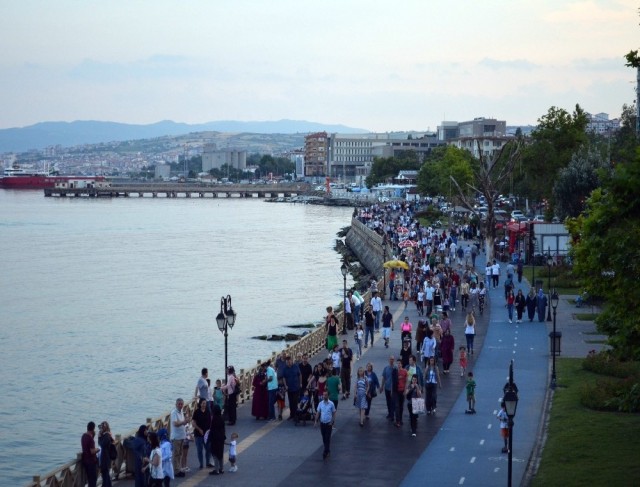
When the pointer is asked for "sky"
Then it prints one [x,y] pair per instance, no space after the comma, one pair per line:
[380,65]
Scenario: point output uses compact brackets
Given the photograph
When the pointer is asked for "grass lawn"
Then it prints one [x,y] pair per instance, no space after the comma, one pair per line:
[542,274]
[587,447]
[586,316]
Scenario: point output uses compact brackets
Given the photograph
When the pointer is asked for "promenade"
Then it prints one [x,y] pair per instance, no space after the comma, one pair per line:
[451,448]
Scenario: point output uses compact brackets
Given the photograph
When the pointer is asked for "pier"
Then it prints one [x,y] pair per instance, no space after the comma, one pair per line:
[181,190]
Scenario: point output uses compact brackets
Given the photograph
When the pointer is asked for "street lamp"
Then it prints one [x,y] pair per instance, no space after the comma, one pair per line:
[554,305]
[344,269]
[533,260]
[510,399]
[549,264]
[225,320]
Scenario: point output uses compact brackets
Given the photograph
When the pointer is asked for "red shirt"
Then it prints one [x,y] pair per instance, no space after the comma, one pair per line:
[88,444]
[402,379]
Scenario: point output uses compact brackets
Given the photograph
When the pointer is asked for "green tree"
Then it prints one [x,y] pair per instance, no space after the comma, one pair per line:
[443,163]
[576,181]
[606,255]
[557,137]
[384,169]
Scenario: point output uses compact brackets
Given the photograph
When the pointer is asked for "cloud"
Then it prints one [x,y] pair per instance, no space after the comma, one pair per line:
[519,64]
[156,66]
[600,64]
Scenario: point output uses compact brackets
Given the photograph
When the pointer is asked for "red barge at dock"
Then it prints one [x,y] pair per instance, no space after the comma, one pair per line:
[17,177]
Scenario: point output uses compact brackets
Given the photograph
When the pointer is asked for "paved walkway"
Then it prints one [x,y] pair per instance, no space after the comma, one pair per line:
[451,448]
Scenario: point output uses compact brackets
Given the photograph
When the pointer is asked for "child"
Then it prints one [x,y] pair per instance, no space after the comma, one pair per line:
[471,394]
[218,395]
[405,296]
[463,360]
[280,397]
[185,448]
[232,452]
[504,426]
[359,335]
[303,407]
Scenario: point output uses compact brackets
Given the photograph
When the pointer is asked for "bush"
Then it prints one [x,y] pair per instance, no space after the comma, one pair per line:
[606,364]
[612,395]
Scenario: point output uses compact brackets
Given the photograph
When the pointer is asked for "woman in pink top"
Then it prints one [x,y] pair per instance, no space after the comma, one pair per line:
[405,328]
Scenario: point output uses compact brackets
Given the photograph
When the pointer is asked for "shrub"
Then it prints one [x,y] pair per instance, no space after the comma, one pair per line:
[612,395]
[604,363]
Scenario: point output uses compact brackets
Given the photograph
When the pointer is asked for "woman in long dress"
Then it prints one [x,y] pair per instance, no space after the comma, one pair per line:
[260,400]
[216,439]
[447,345]
[532,304]
[374,385]
[360,394]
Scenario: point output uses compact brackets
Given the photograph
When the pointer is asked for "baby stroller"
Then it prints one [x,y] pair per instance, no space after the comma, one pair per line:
[306,409]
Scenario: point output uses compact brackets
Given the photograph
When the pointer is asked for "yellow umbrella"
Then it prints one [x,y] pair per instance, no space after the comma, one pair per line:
[391,264]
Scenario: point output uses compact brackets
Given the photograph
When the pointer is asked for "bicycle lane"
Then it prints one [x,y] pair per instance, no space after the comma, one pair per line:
[467,449]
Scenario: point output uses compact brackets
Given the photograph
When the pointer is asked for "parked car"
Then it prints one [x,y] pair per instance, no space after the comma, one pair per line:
[515,214]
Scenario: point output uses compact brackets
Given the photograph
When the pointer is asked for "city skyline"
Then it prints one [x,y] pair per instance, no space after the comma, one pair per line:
[381,66]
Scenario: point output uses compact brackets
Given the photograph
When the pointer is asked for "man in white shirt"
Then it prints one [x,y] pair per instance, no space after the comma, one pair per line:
[178,435]
[376,307]
[326,414]
[495,273]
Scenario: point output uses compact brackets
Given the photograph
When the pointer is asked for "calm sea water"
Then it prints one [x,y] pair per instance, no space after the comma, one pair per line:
[107,307]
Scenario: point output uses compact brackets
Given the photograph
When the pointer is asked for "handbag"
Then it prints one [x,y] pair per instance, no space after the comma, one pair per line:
[417,405]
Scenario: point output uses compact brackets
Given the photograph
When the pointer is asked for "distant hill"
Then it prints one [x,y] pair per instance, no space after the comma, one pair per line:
[80,132]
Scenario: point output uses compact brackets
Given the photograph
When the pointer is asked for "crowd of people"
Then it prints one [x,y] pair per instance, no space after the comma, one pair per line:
[438,275]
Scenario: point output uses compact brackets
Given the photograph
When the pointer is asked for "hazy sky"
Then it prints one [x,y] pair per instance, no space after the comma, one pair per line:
[373,64]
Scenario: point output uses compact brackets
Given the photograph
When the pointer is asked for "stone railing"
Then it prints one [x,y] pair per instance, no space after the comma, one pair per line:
[72,474]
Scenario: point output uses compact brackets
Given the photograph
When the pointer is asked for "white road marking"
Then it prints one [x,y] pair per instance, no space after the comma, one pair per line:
[453,448]
[496,469]
[473,460]
[482,442]
[461,481]
[489,426]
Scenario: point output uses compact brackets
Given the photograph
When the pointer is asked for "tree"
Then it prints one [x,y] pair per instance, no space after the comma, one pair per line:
[489,175]
[440,165]
[576,181]
[384,169]
[557,137]
[606,255]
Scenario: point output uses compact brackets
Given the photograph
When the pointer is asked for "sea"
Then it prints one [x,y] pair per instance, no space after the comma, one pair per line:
[108,306]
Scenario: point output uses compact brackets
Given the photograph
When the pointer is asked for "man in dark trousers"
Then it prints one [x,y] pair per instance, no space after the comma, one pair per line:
[293,384]
[89,451]
[346,356]
[326,414]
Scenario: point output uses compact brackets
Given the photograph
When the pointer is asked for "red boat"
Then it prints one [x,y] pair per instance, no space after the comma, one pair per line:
[17,177]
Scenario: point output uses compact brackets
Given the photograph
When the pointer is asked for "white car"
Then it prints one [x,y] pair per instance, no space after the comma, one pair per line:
[516,214]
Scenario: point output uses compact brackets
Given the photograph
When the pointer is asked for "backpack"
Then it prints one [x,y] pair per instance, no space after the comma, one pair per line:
[113,452]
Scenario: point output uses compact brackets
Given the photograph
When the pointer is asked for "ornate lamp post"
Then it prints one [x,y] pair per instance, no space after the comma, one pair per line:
[549,264]
[510,399]
[554,305]
[225,321]
[344,270]
[533,260]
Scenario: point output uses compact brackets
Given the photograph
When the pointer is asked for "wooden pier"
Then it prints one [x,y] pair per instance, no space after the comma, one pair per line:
[182,190]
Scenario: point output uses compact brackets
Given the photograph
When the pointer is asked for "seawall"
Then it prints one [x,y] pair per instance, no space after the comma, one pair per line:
[367,246]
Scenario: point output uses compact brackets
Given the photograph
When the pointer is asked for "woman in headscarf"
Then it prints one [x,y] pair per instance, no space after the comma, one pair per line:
[260,399]
[541,302]
[216,440]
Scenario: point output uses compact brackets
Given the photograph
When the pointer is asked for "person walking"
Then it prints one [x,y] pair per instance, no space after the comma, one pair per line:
[231,393]
[376,307]
[531,303]
[374,384]
[504,426]
[432,381]
[326,415]
[89,451]
[413,391]
[346,357]
[293,383]
[167,454]
[387,326]
[360,392]
[260,397]
[369,322]
[216,438]
[447,346]
[331,329]
[155,461]
[386,386]
[541,303]
[272,389]
[470,331]
[520,303]
[399,387]
[510,299]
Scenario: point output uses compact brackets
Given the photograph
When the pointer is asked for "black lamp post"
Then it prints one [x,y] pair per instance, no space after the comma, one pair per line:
[384,271]
[225,321]
[549,264]
[533,260]
[344,270]
[510,399]
[554,305]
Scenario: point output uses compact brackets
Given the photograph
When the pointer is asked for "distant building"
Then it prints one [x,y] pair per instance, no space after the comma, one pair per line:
[315,155]
[213,158]
[600,124]
[480,136]
[163,171]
